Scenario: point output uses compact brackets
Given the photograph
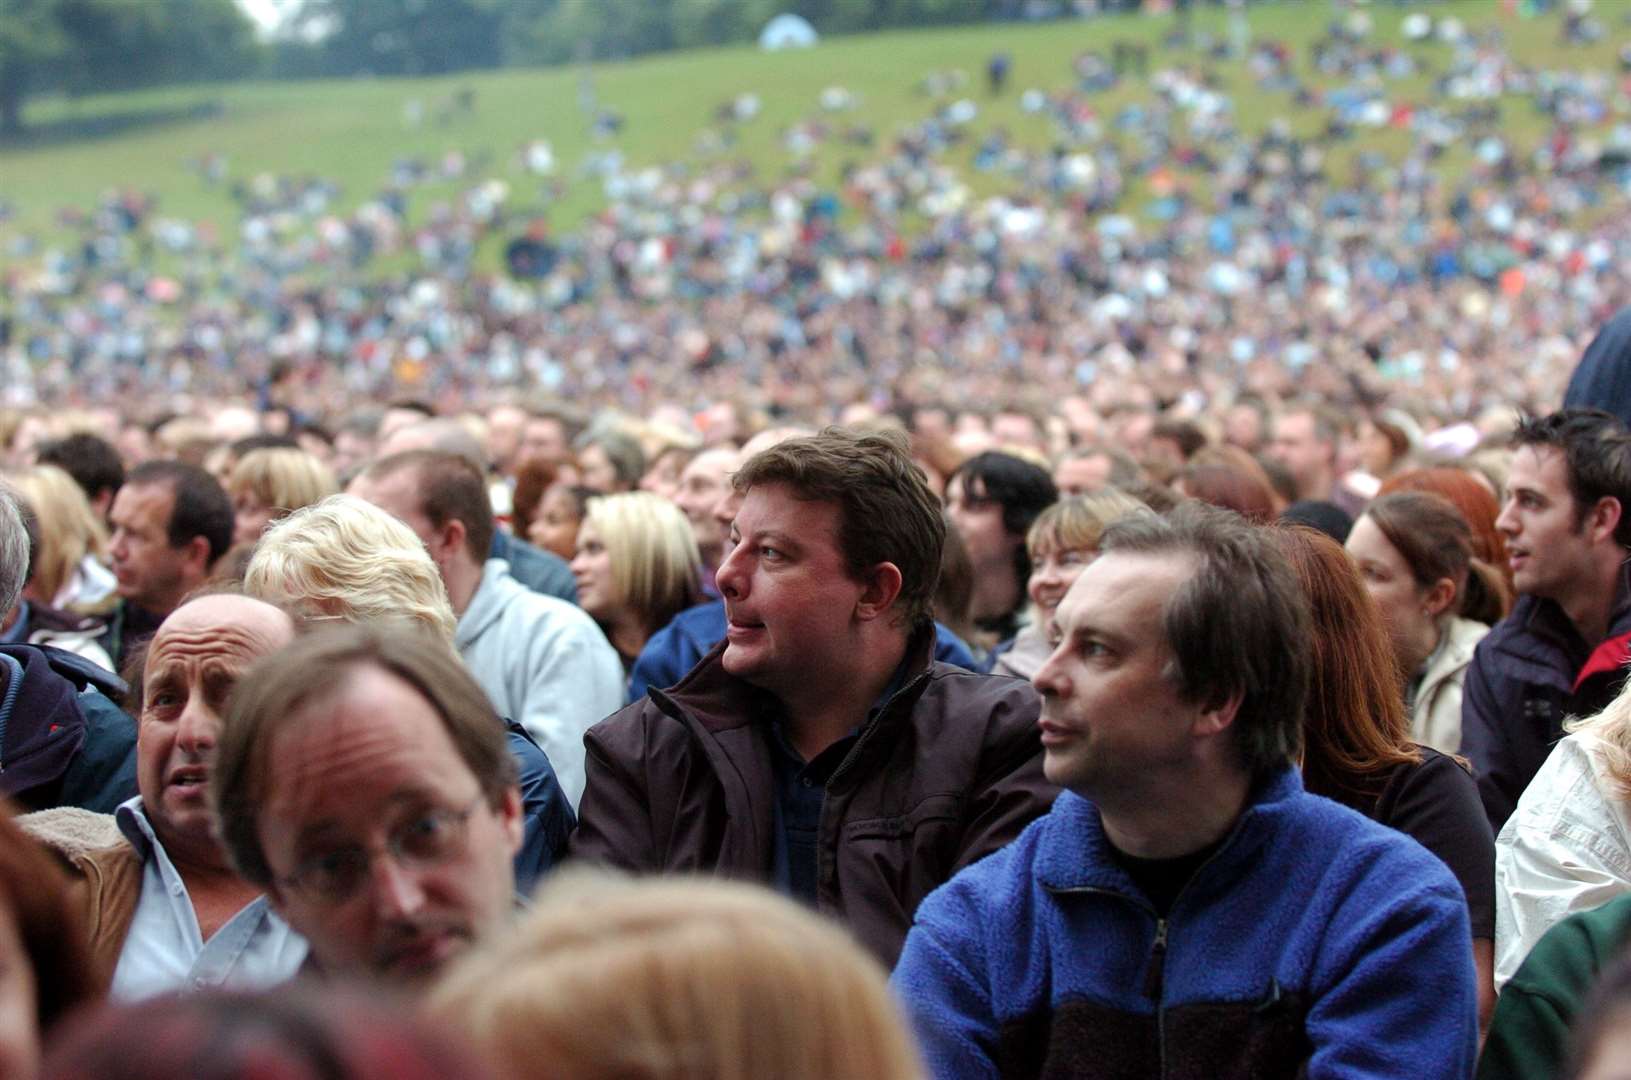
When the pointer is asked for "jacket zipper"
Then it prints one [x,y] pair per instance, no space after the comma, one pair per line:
[1155,968]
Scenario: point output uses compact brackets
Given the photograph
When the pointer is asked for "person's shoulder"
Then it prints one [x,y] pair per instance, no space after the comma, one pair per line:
[1000,879]
[1568,956]
[1355,848]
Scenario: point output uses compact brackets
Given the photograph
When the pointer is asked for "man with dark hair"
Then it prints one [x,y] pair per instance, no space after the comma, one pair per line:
[171,522]
[818,748]
[1562,651]
[993,499]
[542,661]
[92,462]
[1186,909]
[63,740]
[362,781]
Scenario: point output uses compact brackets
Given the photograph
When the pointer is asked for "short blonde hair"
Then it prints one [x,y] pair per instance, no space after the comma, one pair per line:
[656,568]
[69,529]
[673,978]
[282,479]
[1079,521]
[346,557]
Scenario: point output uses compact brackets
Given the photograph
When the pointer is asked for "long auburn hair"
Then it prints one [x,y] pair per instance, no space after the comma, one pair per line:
[1355,729]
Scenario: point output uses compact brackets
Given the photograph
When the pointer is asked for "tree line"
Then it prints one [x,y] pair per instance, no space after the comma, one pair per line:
[84,46]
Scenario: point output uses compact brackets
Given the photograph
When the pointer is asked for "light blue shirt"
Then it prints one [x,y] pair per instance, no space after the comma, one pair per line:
[165,950]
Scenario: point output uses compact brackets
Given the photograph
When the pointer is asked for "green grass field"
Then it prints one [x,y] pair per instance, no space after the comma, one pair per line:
[351,131]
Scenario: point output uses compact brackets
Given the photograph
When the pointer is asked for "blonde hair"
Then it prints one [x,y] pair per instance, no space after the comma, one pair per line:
[1079,521]
[1610,732]
[282,479]
[655,564]
[610,978]
[69,528]
[348,558]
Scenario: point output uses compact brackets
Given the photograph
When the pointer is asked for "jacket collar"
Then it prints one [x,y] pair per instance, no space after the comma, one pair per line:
[1073,852]
[720,701]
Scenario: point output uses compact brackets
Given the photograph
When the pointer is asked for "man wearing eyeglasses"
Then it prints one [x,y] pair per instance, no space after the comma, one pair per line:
[363,781]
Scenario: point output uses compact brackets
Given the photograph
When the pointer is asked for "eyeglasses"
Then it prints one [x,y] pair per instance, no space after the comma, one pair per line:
[423,842]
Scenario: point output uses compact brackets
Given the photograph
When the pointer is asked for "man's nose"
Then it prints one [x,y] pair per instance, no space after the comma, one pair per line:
[394,890]
[197,727]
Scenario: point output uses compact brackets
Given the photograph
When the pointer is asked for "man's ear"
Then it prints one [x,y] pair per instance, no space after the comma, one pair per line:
[1219,715]
[1604,519]
[195,555]
[883,583]
[450,539]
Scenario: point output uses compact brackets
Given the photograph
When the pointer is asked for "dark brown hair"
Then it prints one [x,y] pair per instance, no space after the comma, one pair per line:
[886,511]
[35,890]
[1435,541]
[1356,725]
[315,668]
[1237,625]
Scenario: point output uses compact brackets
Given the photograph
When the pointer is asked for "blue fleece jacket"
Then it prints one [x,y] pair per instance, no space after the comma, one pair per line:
[1312,939]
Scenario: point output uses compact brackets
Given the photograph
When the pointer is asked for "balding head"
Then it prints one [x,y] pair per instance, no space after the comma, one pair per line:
[198,655]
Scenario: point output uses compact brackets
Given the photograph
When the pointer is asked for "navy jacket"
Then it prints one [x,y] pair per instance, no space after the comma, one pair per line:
[1313,944]
[545,810]
[63,740]
[1525,679]
[690,635]
[1603,378]
[539,570]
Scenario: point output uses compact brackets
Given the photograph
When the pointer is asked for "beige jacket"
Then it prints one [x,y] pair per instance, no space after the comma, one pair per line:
[105,875]
[1435,718]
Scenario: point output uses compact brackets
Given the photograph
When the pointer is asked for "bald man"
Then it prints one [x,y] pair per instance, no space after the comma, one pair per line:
[164,908]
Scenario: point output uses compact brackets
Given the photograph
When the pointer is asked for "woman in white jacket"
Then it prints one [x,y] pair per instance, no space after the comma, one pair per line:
[1414,552]
[1567,846]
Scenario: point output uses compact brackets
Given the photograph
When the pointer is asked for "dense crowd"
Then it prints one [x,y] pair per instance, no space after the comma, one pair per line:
[755,639]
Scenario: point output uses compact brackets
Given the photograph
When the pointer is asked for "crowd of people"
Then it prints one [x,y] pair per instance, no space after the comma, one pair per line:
[1287,748]
[760,641]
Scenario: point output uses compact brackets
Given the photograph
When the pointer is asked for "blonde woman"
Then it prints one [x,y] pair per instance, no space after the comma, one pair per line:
[271,483]
[346,559]
[637,566]
[674,979]
[1567,845]
[70,566]
[1063,540]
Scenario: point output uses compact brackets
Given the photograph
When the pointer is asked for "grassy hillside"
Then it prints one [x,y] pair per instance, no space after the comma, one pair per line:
[352,131]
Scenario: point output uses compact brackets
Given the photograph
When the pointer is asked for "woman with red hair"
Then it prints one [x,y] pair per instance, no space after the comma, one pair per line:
[1357,748]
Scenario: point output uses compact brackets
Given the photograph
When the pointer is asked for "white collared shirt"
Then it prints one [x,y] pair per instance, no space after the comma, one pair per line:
[166,951]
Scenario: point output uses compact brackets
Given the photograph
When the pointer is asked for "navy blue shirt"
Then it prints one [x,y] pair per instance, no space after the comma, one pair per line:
[801,792]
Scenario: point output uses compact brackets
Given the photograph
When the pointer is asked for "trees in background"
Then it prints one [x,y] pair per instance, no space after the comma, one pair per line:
[81,46]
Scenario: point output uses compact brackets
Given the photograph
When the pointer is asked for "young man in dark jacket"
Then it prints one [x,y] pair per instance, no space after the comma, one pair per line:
[1562,651]
[1186,910]
[819,749]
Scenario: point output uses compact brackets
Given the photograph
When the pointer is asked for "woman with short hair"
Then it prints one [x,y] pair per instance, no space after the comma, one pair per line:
[637,566]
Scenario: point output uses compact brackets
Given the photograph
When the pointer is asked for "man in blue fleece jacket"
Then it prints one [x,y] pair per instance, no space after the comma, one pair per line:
[1186,910]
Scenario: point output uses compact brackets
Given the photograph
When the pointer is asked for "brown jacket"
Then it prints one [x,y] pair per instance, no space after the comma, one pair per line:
[949,771]
[105,876]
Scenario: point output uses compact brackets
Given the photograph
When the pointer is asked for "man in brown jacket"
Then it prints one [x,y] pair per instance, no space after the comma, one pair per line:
[164,908]
[818,749]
